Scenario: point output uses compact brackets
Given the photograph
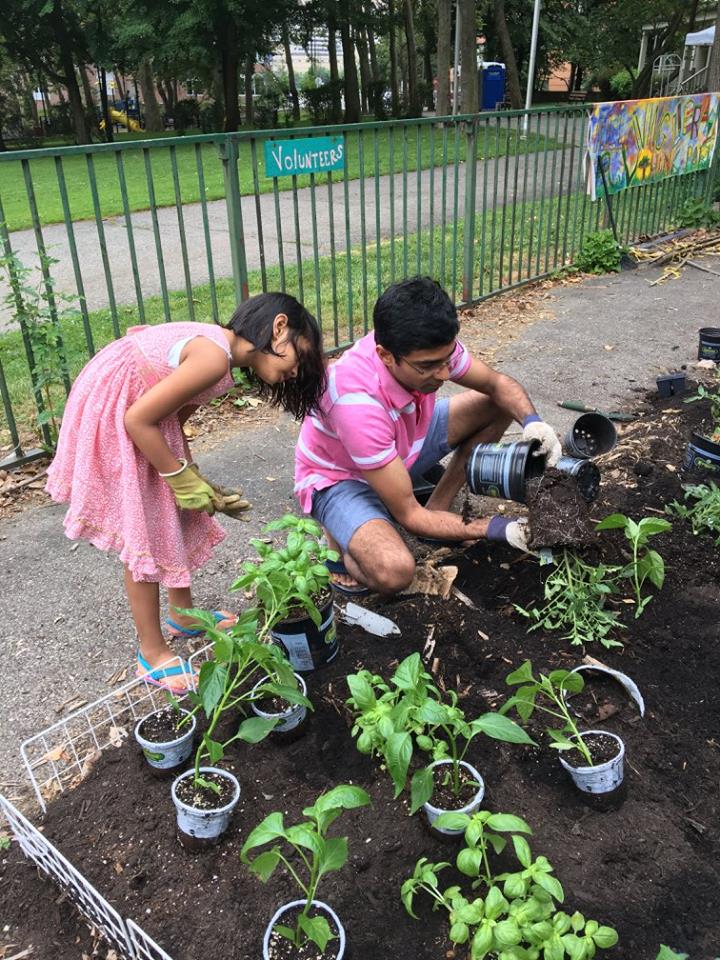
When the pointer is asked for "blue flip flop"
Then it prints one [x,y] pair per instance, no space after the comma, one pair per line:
[338,567]
[158,674]
[189,631]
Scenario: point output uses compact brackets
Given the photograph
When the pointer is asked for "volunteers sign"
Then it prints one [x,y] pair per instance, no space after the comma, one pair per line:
[284,158]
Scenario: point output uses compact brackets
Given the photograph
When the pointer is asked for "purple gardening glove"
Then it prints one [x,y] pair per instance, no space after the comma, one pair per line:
[512,530]
[535,429]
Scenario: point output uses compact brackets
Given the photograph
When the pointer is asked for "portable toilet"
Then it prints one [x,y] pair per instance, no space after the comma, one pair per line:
[492,85]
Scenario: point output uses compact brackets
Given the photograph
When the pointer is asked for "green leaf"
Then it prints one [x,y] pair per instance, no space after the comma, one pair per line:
[605,937]
[507,823]
[482,942]
[408,673]
[362,692]
[398,752]
[255,729]
[616,521]
[550,884]
[211,684]
[264,865]
[316,929]
[287,932]
[459,932]
[652,525]
[344,797]
[495,903]
[215,750]
[433,712]
[469,860]
[652,566]
[334,855]
[522,850]
[501,728]
[667,953]
[553,948]
[507,933]
[421,788]
[523,674]
[271,828]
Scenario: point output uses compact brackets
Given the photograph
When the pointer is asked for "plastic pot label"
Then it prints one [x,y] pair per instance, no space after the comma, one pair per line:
[293,720]
[297,649]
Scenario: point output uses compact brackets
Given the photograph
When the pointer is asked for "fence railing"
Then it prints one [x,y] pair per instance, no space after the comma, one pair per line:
[183,228]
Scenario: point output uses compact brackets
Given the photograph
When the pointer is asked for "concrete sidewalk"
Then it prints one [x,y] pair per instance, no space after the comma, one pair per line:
[66,623]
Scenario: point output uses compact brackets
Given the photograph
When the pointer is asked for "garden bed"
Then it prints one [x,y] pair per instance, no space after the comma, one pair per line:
[647,866]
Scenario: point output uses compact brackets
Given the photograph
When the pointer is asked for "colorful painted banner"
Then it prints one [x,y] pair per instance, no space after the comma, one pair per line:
[641,141]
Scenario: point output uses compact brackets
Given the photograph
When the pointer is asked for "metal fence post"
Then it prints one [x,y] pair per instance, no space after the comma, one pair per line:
[469,216]
[228,151]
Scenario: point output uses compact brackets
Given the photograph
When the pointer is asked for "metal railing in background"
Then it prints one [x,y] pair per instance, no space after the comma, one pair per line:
[183,228]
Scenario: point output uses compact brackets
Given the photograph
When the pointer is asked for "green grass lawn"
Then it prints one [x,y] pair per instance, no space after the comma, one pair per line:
[396,151]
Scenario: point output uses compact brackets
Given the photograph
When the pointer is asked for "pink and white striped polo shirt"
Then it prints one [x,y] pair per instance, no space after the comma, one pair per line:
[364,420]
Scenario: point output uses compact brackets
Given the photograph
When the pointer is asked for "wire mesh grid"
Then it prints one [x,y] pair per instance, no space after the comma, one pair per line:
[144,947]
[86,898]
[60,756]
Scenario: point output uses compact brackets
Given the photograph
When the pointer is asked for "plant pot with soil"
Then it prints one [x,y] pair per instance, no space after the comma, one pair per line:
[598,768]
[504,469]
[166,739]
[310,930]
[204,800]
[271,702]
[292,588]
[410,716]
[703,449]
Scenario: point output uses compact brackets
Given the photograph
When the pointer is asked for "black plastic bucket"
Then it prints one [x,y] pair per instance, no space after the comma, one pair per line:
[591,435]
[709,345]
[670,384]
[587,476]
[306,646]
[503,469]
[704,450]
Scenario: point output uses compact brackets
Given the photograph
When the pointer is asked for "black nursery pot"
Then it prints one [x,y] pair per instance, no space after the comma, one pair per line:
[670,384]
[587,476]
[306,646]
[591,435]
[702,449]
[503,469]
[709,345]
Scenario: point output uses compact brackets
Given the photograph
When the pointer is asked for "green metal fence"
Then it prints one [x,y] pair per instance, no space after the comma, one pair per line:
[185,227]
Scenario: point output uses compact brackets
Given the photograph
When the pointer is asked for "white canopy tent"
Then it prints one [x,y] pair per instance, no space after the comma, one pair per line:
[695,61]
[701,38]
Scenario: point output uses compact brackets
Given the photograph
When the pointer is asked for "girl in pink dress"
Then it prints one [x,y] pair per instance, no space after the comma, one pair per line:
[123,464]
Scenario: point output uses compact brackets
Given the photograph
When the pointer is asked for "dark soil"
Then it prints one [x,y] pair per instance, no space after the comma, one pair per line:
[601,749]
[444,797]
[163,726]
[649,868]
[280,948]
[206,798]
[559,514]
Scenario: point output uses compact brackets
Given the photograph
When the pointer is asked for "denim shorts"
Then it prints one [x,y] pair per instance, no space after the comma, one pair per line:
[346,506]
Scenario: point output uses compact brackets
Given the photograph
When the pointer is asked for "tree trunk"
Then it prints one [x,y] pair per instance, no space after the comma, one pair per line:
[365,76]
[513,78]
[334,74]
[394,90]
[414,107]
[65,45]
[105,106]
[377,84]
[468,57]
[713,74]
[294,96]
[249,103]
[153,120]
[122,89]
[428,72]
[87,89]
[442,105]
[350,76]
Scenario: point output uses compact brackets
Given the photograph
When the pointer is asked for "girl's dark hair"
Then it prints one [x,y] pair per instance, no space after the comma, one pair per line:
[253,320]
[414,314]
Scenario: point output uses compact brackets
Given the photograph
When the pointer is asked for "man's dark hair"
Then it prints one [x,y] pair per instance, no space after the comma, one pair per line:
[414,314]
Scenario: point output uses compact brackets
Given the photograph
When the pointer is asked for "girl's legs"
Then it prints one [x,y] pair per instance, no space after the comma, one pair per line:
[180,598]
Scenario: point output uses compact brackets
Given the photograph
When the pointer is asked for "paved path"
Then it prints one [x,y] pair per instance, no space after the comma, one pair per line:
[66,626]
[516,174]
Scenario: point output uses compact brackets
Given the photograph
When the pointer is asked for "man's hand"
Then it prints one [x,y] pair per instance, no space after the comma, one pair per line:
[535,429]
[510,530]
[229,500]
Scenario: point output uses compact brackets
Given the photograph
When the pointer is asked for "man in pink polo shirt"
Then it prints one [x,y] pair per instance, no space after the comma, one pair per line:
[379,426]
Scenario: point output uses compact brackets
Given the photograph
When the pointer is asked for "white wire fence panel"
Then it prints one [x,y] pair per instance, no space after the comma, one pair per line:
[59,757]
[144,947]
[85,897]
[200,657]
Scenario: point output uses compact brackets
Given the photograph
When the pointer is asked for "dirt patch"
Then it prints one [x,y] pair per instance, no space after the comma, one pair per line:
[558,513]
[649,867]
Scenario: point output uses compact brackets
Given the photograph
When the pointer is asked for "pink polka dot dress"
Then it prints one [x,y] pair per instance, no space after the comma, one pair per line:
[117,500]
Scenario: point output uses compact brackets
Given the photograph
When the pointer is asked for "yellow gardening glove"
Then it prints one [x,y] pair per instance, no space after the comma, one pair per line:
[230,499]
[192,491]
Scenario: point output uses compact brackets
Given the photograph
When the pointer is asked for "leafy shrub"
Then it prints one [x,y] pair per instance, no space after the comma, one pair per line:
[600,253]
[186,114]
[697,212]
[621,84]
[211,116]
[319,100]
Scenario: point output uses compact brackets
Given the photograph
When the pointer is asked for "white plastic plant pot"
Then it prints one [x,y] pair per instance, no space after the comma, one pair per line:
[292,719]
[631,688]
[198,829]
[433,812]
[307,646]
[165,758]
[603,778]
[337,945]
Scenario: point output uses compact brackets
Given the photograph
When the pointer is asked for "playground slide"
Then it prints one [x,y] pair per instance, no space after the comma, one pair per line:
[119,117]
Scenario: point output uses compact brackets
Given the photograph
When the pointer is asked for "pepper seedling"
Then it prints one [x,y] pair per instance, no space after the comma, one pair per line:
[645,564]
